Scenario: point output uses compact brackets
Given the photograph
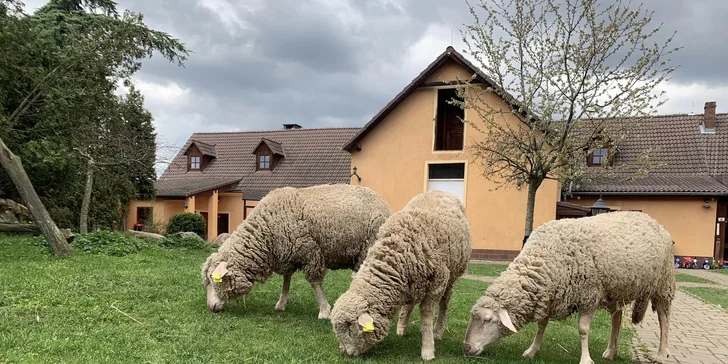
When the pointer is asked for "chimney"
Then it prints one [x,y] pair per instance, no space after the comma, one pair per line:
[296,126]
[709,115]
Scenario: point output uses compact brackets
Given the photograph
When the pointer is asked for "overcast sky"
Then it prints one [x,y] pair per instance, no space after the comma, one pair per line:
[320,63]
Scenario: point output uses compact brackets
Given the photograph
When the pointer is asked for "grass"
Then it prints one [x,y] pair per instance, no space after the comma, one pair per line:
[486,270]
[715,296]
[54,310]
[682,277]
[721,271]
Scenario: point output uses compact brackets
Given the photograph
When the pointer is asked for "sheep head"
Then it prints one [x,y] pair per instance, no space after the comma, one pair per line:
[224,280]
[488,323]
[357,328]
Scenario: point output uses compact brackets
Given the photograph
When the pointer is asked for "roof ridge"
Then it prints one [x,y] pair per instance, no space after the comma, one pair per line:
[277,130]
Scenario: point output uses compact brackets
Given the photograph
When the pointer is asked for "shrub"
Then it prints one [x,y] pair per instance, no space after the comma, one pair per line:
[186,221]
[108,243]
[185,243]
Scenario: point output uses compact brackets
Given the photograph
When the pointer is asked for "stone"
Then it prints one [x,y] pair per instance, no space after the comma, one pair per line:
[142,234]
[188,234]
[220,239]
[8,217]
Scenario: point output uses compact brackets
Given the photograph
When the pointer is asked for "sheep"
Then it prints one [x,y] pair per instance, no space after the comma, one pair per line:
[580,266]
[311,229]
[419,254]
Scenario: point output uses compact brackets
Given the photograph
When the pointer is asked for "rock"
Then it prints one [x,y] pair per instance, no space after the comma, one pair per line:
[8,217]
[68,234]
[188,234]
[142,234]
[20,212]
[220,239]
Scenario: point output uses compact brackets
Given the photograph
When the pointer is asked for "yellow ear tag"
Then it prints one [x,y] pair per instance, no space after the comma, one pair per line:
[368,327]
[216,277]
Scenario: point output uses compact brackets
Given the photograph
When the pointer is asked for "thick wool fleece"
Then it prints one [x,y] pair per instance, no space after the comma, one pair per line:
[419,254]
[310,229]
[582,265]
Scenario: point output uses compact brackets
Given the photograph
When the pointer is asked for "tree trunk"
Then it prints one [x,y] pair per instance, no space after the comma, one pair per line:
[530,205]
[42,218]
[83,223]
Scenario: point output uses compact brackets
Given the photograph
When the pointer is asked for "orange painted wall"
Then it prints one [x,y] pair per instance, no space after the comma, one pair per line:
[232,203]
[691,225]
[393,162]
[162,210]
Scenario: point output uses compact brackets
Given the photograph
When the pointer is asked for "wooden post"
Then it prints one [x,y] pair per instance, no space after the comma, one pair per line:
[190,204]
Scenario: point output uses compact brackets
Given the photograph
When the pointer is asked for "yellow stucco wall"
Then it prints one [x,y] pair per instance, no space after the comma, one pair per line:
[394,157]
[691,225]
[162,210]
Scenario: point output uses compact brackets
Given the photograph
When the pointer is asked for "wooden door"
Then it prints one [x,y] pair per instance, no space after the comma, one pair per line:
[721,250]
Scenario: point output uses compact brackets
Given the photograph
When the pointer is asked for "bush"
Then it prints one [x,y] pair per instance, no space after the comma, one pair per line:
[186,221]
[173,242]
[108,243]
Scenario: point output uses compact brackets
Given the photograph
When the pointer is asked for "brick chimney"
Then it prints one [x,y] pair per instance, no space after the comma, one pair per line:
[709,115]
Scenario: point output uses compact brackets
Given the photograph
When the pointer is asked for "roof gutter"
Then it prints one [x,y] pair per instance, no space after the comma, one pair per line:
[577,193]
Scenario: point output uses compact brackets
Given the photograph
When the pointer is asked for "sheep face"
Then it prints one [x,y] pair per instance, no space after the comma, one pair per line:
[487,325]
[224,282]
[356,329]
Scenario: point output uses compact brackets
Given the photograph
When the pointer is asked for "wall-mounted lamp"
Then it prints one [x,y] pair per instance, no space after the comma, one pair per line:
[355,174]
[707,203]
[184,204]
[599,207]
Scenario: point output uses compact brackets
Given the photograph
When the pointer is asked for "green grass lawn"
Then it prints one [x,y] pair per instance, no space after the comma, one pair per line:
[721,271]
[486,270]
[718,297]
[682,277]
[54,310]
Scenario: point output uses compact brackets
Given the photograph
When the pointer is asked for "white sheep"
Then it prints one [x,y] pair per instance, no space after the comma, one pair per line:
[579,266]
[310,229]
[419,254]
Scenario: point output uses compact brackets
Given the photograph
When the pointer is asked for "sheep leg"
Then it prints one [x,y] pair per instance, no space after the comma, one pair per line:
[404,319]
[612,347]
[427,318]
[585,319]
[324,307]
[283,300]
[536,345]
[442,312]
[663,316]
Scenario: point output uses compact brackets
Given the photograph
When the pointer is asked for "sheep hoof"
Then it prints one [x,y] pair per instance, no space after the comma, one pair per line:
[324,313]
[401,330]
[609,354]
[280,306]
[530,353]
[586,361]
[438,335]
[428,354]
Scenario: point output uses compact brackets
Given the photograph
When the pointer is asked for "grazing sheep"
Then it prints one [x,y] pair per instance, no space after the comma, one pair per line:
[579,266]
[419,254]
[310,229]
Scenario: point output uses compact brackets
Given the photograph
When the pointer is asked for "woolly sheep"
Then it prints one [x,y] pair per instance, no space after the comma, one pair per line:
[310,229]
[580,265]
[419,254]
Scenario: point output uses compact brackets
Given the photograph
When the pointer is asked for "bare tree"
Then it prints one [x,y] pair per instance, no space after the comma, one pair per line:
[574,72]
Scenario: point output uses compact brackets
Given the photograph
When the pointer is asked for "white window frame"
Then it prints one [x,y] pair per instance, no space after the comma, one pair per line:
[463,181]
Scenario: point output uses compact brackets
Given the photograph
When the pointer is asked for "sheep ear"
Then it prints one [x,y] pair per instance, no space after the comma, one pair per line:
[506,319]
[366,322]
[219,272]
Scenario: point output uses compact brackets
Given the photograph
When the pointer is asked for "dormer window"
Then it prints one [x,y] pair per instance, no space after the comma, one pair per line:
[598,157]
[199,155]
[195,163]
[264,161]
[268,154]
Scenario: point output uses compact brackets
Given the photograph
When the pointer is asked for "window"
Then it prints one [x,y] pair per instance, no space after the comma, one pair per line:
[263,162]
[143,215]
[194,162]
[448,177]
[449,127]
[598,157]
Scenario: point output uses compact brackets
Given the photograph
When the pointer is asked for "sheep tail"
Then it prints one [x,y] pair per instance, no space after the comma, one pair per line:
[639,308]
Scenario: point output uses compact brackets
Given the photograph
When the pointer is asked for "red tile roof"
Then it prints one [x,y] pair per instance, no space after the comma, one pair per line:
[312,156]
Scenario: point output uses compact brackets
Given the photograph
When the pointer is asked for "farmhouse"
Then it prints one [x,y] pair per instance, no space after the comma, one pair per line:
[417,142]
[222,176]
